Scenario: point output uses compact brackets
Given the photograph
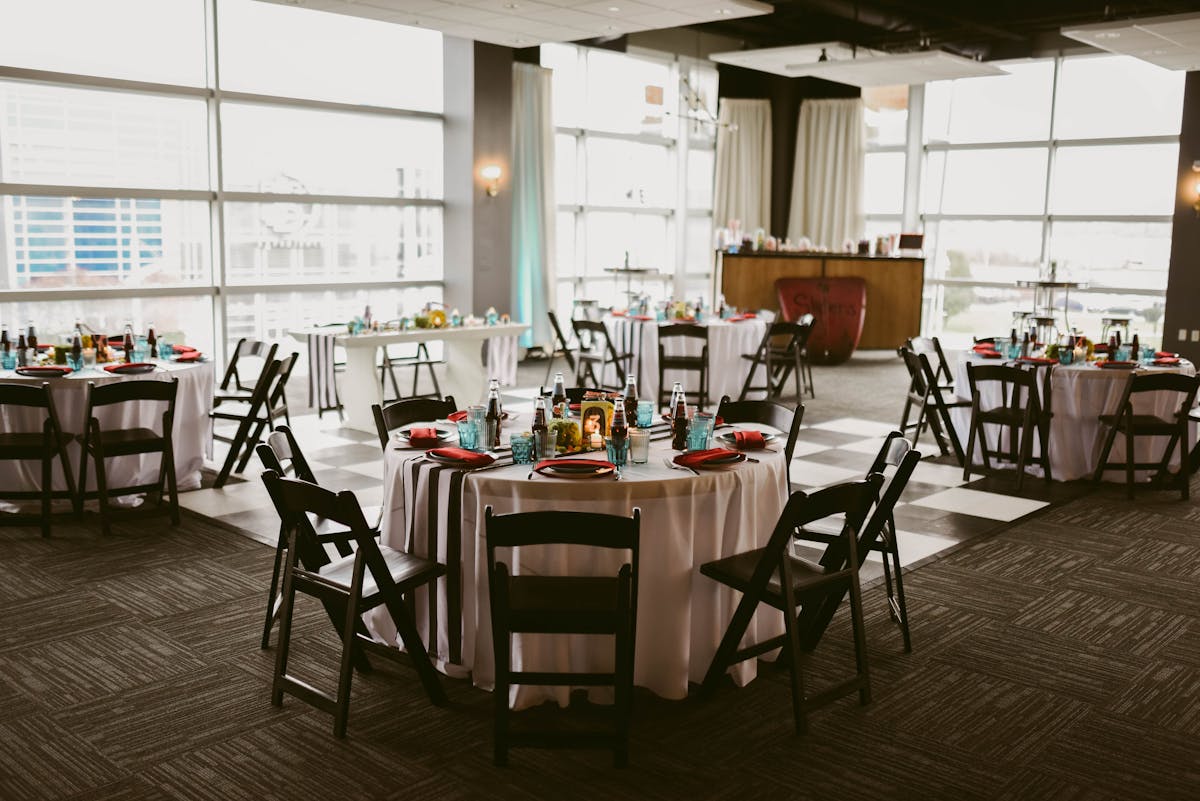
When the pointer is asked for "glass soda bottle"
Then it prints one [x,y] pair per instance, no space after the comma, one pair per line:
[679,424]
[539,415]
[631,400]
[492,419]
[22,351]
[31,339]
[676,394]
[619,431]
[128,343]
[560,391]
[151,340]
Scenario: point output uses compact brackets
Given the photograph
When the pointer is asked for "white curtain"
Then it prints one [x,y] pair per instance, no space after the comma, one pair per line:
[827,184]
[743,180]
[533,203]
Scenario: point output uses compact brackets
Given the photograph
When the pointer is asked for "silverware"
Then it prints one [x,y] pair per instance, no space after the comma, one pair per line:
[671,464]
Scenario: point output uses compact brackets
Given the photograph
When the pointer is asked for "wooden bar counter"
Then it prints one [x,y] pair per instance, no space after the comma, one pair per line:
[894,287]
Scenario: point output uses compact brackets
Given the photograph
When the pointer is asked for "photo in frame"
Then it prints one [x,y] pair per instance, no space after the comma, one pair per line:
[595,416]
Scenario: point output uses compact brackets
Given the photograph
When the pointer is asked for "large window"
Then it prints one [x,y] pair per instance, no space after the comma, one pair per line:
[297,186]
[1071,160]
[634,158]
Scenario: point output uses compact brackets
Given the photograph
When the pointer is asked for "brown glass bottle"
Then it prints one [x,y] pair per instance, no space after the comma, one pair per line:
[679,425]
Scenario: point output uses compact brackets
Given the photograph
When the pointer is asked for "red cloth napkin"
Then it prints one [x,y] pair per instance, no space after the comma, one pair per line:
[989,354]
[749,315]
[1165,354]
[457,417]
[1165,360]
[619,313]
[1037,360]
[1100,347]
[645,318]
[747,440]
[982,346]
[580,463]
[183,349]
[189,356]
[468,458]
[422,437]
[122,367]
[699,458]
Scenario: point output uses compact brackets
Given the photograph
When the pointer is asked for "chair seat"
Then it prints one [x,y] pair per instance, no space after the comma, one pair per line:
[1148,424]
[563,604]
[404,568]
[124,441]
[736,571]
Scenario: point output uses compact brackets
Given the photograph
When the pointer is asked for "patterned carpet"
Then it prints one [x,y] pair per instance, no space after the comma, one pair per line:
[1056,659]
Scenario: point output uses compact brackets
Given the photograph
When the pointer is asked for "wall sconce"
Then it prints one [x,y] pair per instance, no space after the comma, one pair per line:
[491,176]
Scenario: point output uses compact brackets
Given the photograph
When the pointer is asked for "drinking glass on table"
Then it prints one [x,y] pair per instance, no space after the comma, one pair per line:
[700,431]
[639,445]
[165,349]
[8,360]
[468,435]
[618,452]
[645,414]
[545,443]
[477,414]
[522,448]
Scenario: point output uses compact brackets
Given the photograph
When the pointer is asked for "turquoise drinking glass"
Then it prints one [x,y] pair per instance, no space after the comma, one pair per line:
[522,448]
[645,414]
[618,453]
[468,435]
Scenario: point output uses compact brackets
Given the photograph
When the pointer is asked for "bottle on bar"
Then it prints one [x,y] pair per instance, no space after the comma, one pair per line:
[560,391]
[1025,345]
[618,432]
[631,400]
[31,338]
[22,351]
[1135,348]
[77,348]
[679,423]
[1012,338]
[5,342]
[1114,342]
[151,340]
[128,343]
[492,419]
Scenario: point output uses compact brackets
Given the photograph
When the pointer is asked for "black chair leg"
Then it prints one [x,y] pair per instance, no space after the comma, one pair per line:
[273,597]
[47,489]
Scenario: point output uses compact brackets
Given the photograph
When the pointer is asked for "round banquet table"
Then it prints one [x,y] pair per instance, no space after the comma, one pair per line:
[190,437]
[687,520]
[1079,394]
[727,343]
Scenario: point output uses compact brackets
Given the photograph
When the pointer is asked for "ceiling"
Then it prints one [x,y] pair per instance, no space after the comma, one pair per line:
[994,29]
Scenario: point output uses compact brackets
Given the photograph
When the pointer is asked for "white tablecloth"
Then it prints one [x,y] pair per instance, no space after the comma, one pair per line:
[1079,394]
[687,520]
[727,343]
[191,438]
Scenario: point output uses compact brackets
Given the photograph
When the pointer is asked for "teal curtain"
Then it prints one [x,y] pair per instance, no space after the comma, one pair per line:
[533,203]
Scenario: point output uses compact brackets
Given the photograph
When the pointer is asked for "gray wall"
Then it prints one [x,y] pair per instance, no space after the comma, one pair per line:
[1183,283]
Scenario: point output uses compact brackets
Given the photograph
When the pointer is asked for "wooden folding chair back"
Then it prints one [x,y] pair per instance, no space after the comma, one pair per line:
[933,409]
[774,576]
[255,416]
[246,348]
[43,446]
[558,604]
[1019,412]
[780,351]
[683,332]
[560,345]
[411,410]
[769,413]
[1132,424]
[372,576]
[100,444]
[597,351]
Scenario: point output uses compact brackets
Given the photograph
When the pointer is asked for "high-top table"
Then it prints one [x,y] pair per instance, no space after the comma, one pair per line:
[465,376]
[687,520]
[191,437]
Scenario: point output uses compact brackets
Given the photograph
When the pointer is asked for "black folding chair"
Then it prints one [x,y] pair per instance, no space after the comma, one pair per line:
[768,413]
[772,575]
[933,408]
[563,604]
[778,361]
[932,348]
[282,454]
[414,410]
[374,575]
[247,418]
[560,348]
[42,446]
[391,361]
[682,333]
[232,386]
[1019,412]
[102,444]
[1133,425]
[598,352]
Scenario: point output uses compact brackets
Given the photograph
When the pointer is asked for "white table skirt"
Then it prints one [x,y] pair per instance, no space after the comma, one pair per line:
[191,437]
[687,520]
[727,343]
[1079,394]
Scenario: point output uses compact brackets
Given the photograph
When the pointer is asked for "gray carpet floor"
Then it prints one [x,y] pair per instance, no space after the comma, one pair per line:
[1057,659]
